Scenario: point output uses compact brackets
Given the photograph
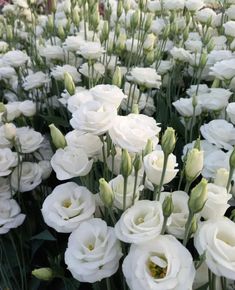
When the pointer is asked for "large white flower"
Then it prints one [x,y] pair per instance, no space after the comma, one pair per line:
[51,52]
[145,76]
[26,176]
[231,112]
[8,159]
[184,107]
[10,216]
[223,70]
[35,80]
[27,108]
[93,117]
[15,58]
[153,165]
[93,251]
[132,132]
[79,98]
[67,206]
[140,223]
[162,263]
[91,50]
[229,28]
[58,72]
[29,140]
[70,162]
[216,238]
[173,4]
[219,132]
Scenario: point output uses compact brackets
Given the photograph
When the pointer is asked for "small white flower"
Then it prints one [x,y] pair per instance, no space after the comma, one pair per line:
[79,98]
[229,28]
[58,72]
[91,50]
[35,80]
[145,76]
[27,108]
[15,58]
[29,140]
[8,159]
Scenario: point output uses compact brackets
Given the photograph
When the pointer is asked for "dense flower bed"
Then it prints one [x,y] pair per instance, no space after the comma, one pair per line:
[117,145]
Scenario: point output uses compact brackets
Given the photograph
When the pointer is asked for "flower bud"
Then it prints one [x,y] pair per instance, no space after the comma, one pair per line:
[150,57]
[9,131]
[203,59]
[198,197]
[44,274]
[69,84]
[105,31]
[106,193]
[2,108]
[9,33]
[119,9]
[232,159]
[148,148]
[137,163]
[197,144]
[193,226]
[126,5]
[60,31]
[53,6]
[75,17]
[168,141]
[50,23]
[117,77]
[121,42]
[135,20]
[149,42]
[186,33]
[126,164]
[135,109]
[95,19]
[194,164]
[167,206]
[58,138]
[221,178]
[148,22]
[216,83]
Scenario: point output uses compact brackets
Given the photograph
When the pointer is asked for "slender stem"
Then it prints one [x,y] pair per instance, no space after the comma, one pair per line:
[124,193]
[164,225]
[108,284]
[223,283]
[162,177]
[187,229]
[112,216]
[135,186]
[187,186]
[231,171]
[192,124]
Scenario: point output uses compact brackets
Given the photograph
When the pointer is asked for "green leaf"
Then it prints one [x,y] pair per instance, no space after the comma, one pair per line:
[45,236]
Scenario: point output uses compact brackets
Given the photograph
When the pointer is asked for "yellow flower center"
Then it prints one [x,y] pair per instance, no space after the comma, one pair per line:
[66,203]
[156,271]
[90,247]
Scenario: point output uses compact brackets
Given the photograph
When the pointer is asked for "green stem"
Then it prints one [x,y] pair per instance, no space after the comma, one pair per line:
[162,178]
[164,225]
[108,284]
[192,124]
[231,171]
[187,229]
[187,186]
[124,193]
[135,186]
[112,216]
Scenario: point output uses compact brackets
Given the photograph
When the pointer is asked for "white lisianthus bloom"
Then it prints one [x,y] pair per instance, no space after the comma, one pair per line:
[231,112]
[70,162]
[177,221]
[90,143]
[219,132]
[223,70]
[231,12]
[117,185]
[27,108]
[164,67]
[29,140]
[135,97]
[163,263]
[158,25]
[206,14]
[154,6]
[30,177]
[216,238]
[67,206]
[10,131]
[173,4]
[79,98]
[91,50]
[132,132]
[109,94]
[193,5]
[8,159]
[10,216]
[73,43]
[229,28]
[94,117]
[4,142]
[201,89]
[58,72]
[184,107]
[193,45]
[35,80]
[140,223]
[15,58]
[180,54]
[51,52]
[5,189]
[153,165]
[93,251]
[99,70]
[46,168]
[13,110]
[7,73]
[129,46]
[145,76]
[3,46]
[217,202]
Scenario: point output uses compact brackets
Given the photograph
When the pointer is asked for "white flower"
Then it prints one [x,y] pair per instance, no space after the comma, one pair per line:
[117,185]
[219,132]
[140,223]
[90,143]
[67,206]
[162,263]
[93,117]
[206,14]
[132,132]
[58,72]
[35,80]
[184,107]
[193,5]
[180,54]
[91,50]
[52,52]
[73,43]
[26,176]
[10,216]
[158,26]
[13,111]
[3,46]
[145,76]
[7,73]
[153,164]
[75,101]
[109,94]
[176,222]
[4,142]
[99,70]
[15,58]
[10,131]
[5,189]
[197,90]
[164,67]
[93,251]
[229,28]
[29,140]
[217,202]
[70,162]
[173,4]
[193,45]
[154,6]
[8,159]
[231,112]
[46,168]
[27,108]
[216,238]
[231,12]
[223,70]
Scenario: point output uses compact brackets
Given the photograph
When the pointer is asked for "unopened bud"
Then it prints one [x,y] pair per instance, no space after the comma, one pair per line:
[50,23]
[232,159]
[148,148]
[126,164]
[58,138]
[75,17]
[135,20]
[106,192]
[9,131]
[197,144]
[105,31]
[9,33]
[53,6]
[69,83]
[61,33]
[221,178]
[198,197]
[135,109]
[193,226]
[150,57]
[117,77]
[167,206]
[137,163]
[194,164]
[126,5]
[168,141]
[3,108]
[216,83]
[45,274]
[148,22]
[119,9]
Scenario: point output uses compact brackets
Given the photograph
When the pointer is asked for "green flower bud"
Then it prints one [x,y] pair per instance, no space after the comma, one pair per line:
[135,109]
[105,31]
[95,19]
[198,197]
[117,77]
[61,33]
[193,226]
[75,17]
[3,109]
[50,23]
[216,83]
[168,141]
[106,193]
[186,33]
[137,163]
[9,131]
[119,9]
[121,42]
[194,164]
[58,138]
[126,164]
[68,25]
[203,59]
[127,5]
[45,274]
[166,32]
[148,148]
[197,144]
[167,206]
[69,84]
[9,33]
[221,178]
[150,57]
[135,20]
[232,159]
[53,6]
